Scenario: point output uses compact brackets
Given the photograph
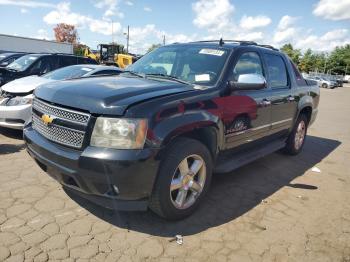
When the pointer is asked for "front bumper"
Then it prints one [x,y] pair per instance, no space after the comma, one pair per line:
[116,179]
[15,117]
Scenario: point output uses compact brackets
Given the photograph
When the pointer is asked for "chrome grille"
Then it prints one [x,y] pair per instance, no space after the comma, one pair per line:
[59,133]
[67,114]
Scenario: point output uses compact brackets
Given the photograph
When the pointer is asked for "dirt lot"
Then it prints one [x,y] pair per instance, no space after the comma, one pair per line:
[276,209]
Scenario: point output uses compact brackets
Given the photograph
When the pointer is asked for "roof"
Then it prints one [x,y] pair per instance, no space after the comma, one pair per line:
[229,43]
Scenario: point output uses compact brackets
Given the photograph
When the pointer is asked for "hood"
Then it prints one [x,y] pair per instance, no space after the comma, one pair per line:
[24,84]
[107,95]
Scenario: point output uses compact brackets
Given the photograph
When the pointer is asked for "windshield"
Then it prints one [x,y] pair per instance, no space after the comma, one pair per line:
[23,62]
[195,65]
[68,72]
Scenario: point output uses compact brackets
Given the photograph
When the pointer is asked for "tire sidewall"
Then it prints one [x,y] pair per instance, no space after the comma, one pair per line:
[168,166]
[292,137]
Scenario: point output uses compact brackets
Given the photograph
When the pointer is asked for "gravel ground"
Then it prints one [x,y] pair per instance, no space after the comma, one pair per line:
[278,208]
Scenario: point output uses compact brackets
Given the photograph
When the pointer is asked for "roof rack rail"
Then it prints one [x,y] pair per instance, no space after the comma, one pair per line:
[241,42]
[270,47]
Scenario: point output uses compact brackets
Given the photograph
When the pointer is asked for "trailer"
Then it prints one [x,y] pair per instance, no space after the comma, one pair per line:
[9,43]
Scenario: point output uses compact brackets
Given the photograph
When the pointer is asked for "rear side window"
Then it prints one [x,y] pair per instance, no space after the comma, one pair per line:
[68,60]
[83,60]
[276,67]
[299,78]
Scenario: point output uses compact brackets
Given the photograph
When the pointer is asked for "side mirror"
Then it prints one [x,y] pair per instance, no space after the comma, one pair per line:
[248,82]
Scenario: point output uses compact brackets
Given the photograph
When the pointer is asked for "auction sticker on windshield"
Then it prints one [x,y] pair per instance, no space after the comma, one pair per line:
[208,51]
[202,77]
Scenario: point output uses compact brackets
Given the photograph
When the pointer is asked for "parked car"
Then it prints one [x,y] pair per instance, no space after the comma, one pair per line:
[8,58]
[346,79]
[39,64]
[16,96]
[152,136]
[325,82]
[338,80]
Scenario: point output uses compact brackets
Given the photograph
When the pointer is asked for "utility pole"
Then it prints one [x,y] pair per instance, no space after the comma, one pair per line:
[112,33]
[127,41]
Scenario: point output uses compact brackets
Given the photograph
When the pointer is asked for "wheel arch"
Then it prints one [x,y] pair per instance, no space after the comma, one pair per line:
[207,131]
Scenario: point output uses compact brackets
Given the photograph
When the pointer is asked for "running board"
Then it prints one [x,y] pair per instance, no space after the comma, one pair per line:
[231,162]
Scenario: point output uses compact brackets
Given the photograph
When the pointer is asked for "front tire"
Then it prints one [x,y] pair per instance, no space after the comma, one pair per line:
[183,179]
[296,139]
[324,85]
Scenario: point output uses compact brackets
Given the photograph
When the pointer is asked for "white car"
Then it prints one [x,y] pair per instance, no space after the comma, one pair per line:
[325,83]
[16,96]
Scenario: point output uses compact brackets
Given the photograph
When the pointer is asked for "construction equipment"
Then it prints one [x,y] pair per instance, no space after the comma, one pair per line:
[110,54]
[113,54]
[93,55]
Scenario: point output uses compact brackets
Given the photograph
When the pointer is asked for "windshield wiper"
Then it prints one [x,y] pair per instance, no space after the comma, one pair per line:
[11,69]
[134,73]
[169,77]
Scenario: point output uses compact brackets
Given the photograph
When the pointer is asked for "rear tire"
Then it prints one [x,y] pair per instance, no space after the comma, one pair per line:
[178,189]
[296,139]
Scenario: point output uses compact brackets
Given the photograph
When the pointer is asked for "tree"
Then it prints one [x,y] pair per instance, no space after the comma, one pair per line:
[294,54]
[152,47]
[66,33]
[339,59]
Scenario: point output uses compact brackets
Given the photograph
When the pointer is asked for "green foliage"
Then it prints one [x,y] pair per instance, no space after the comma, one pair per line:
[154,46]
[294,54]
[78,49]
[335,62]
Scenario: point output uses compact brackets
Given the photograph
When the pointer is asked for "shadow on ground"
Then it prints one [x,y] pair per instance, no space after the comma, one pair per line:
[231,195]
[11,148]
[11,133]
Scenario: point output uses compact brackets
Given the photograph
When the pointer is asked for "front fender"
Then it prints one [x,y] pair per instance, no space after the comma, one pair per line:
[169,128]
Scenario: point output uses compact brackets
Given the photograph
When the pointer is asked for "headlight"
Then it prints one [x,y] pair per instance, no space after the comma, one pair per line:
[119,133]
[20,100]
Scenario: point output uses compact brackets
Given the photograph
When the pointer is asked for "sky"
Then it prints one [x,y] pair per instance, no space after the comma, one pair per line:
[317,24]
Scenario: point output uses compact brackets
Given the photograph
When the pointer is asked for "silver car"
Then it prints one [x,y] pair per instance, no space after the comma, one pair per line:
[16,96]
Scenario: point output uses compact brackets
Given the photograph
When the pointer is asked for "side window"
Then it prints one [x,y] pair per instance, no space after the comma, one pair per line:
[83,60]
[42,66]
[300,80]
[67,61]
[277,71]
[248,63]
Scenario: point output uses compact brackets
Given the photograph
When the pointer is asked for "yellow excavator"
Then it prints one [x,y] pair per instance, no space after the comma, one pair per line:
[109,54]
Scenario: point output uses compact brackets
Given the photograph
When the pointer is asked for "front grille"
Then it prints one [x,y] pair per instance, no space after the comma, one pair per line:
[58,131]
[67,114]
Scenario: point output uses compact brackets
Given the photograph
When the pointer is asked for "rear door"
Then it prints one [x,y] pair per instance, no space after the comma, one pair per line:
[247,115]
[282,101]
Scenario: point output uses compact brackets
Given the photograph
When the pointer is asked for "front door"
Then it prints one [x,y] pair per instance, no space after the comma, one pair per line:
[247,117]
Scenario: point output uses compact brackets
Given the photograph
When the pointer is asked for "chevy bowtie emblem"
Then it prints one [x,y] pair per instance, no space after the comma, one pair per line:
[47,119]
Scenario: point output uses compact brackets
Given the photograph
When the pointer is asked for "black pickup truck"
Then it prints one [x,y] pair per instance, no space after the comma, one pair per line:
[152,136]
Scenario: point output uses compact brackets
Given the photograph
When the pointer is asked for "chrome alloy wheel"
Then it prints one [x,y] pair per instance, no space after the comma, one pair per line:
[300,135]
[188,181]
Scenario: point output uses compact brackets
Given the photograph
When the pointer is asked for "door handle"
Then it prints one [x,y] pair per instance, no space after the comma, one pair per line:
[265,102]
[291,98]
